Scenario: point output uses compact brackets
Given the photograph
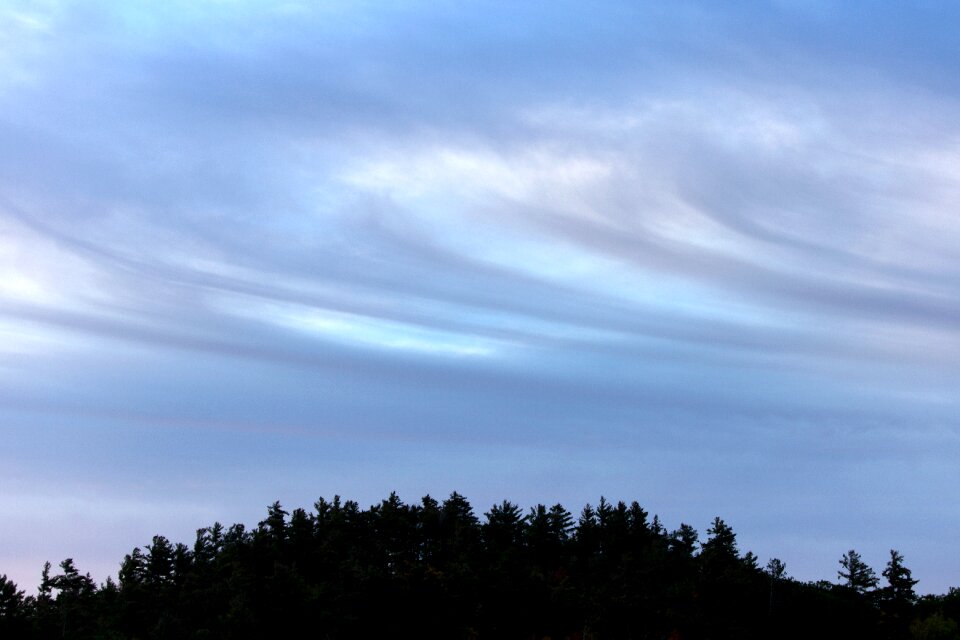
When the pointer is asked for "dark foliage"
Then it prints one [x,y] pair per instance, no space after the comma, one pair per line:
[436,570]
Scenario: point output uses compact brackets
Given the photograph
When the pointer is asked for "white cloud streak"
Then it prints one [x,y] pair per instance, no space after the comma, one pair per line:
[718,243]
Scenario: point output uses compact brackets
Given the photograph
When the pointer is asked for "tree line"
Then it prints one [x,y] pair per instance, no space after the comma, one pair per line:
[436,570]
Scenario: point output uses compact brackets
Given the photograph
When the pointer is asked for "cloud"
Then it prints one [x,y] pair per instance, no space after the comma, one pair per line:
[704,258]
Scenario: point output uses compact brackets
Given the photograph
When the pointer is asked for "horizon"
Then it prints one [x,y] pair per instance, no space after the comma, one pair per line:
[706,258]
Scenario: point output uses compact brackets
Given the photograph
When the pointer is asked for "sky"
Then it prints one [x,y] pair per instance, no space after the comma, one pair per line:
[701,255]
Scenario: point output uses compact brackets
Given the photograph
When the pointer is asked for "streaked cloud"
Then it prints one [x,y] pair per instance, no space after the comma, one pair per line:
[702,257]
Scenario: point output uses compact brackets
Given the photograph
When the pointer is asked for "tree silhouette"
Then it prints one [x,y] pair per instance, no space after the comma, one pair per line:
[855,573]
[897,597]
[433,570]
[13,609]
[900,581]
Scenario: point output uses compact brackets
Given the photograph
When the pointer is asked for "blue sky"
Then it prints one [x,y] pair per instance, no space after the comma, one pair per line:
[700,255]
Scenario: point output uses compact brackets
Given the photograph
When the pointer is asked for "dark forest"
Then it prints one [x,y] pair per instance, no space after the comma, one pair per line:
[437,570]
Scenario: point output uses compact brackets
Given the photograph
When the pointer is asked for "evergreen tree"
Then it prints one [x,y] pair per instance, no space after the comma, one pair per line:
[776,569]
[855,573]
[428,530]
[395,525]
[639,527]
[13,609]
[587,533]
[159,563]
[45,616]
[684,540]
[612,574]
[74,601]
[722,542]
[459,528]
[537,532]
[274,526]
[897,598]
[900,581]
[133,569]
[504,526]
[561,522]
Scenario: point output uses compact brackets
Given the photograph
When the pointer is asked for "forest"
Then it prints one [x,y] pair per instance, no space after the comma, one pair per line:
[434,569]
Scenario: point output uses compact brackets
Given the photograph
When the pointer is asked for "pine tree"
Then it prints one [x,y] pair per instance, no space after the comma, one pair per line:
[684,540]
[776,569]
[721,545]
[504,526]
[159,564]
[561,522]
[855,573]
[13,613]
[900,580]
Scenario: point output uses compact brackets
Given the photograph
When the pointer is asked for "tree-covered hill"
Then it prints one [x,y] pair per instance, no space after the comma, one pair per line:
[437,570]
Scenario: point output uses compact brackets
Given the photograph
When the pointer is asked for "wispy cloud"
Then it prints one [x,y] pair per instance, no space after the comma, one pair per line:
[702,257]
